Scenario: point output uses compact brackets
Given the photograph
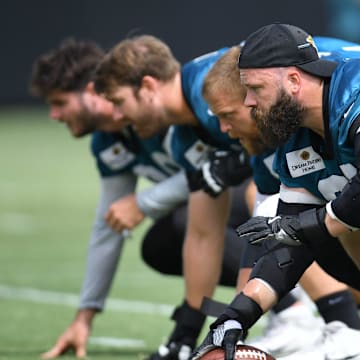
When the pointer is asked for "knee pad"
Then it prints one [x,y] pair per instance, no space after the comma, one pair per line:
[251,254]
[282,268]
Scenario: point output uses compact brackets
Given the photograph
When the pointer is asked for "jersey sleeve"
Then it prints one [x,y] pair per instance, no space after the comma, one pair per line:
[105,245]
[161,198]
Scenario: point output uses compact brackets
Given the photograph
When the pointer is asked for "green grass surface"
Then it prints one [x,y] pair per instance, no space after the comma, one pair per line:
[48,194]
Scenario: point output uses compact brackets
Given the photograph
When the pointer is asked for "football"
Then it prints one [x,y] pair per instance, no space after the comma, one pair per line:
[243,352]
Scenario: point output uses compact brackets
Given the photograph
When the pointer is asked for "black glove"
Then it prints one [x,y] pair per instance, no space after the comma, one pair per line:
[285,229]
[308,227]
[225,168]
[195,180]
[230,327]
[225,335]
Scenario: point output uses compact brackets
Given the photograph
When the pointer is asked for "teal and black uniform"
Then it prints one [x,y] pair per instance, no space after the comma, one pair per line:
[323,167]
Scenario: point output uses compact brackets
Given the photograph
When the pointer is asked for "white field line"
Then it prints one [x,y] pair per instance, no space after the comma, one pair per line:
[72,300]
[117,342]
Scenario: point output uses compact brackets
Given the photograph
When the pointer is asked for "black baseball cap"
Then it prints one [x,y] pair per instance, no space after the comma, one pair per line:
[281,45]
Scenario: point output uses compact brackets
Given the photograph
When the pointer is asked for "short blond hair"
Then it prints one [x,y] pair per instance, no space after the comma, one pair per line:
[224,76]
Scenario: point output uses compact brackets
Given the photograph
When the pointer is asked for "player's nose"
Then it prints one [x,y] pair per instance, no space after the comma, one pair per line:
[55,113]
[225,127]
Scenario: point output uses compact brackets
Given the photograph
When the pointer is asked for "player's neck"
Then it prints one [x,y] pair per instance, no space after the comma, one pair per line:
[313,101]
[178,109]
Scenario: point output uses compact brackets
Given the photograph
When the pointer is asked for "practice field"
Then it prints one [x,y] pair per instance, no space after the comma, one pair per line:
[48,193]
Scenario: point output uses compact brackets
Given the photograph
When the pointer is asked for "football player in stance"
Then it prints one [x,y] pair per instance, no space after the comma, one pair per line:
[306,108]
[225,95]
[63,78]
[150,91]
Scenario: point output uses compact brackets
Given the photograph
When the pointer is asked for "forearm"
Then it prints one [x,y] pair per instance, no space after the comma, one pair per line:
[315,221]
[161,198]
[105,245]
[344,210]
[334,227]
[103,256]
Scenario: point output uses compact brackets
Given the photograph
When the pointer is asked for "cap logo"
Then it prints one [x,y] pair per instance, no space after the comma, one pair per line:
[309,42]
[303,46]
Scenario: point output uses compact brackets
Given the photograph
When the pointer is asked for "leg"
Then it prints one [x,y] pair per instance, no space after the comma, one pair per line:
[166,236]
[351,244]
[333,298]
[188,318]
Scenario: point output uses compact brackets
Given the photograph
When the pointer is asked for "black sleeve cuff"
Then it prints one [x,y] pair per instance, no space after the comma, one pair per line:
[313,228]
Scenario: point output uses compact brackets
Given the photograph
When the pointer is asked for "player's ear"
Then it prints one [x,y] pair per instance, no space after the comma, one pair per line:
[90,87]
[294,80]
[149,83]
[149,87]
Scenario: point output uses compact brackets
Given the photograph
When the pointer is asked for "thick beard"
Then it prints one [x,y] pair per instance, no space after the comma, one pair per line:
[280,122]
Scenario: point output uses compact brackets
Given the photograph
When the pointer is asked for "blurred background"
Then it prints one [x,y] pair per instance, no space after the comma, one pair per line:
[190,27]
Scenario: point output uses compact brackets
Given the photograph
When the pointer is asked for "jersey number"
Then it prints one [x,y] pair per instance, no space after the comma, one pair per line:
[333,185]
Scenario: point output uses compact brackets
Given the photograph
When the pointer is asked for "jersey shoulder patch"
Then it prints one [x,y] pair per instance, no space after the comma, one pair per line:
[110,153]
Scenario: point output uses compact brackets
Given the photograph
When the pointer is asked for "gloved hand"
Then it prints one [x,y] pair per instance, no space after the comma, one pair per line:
[285,229]
[225,168]
[230,327]
[223,333]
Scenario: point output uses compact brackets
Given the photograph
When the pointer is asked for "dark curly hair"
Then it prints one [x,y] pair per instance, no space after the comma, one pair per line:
[69,67]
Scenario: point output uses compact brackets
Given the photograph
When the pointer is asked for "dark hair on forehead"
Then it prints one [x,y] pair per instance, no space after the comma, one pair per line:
[69,67]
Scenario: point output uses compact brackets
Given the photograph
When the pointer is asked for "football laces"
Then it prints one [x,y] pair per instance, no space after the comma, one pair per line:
[251,354]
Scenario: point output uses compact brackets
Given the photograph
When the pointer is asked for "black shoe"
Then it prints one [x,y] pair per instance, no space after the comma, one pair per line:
[181,342]
[172,351]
